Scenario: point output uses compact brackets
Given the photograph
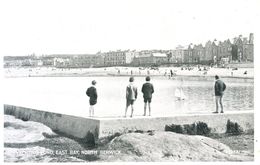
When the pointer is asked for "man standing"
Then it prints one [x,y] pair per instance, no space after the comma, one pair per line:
[147,90]
[131,96]
[219,87]
[92,94]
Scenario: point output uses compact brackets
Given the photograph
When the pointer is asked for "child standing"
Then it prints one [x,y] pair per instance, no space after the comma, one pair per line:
[147,90]
[131,96]
[92,94]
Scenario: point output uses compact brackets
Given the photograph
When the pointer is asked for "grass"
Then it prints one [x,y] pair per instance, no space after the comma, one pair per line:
[199,128]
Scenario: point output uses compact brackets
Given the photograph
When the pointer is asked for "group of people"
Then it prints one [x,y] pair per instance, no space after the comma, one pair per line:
[148,90]
[131,96]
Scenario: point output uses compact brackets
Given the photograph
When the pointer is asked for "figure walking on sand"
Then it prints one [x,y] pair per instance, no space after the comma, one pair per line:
[219,87]
[92,94]
[147,90]
[131,96]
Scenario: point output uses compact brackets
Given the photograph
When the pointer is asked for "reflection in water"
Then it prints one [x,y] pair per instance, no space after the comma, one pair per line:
[67,94]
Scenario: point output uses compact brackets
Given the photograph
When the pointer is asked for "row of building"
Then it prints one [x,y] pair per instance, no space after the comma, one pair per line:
[214,52]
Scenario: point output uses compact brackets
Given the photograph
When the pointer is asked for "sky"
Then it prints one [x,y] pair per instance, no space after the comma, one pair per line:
[85,26]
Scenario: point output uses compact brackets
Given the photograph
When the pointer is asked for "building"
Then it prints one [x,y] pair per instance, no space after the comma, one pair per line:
[87,61]
[150,59]
[160,58]
[129,56]
[207,58]
[248,48]
[61,62]
[224,52]
[179,55]
[23,61]
[188,57]
[243,49]
[14,61]
[79,61]
[237,49]
[119,58]
[198,53]
[215,51]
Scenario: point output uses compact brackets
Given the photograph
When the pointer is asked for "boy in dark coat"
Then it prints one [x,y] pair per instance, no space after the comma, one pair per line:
[147,90]
[219,88]
[92,94]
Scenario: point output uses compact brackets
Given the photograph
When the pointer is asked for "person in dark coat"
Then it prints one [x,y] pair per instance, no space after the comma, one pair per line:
[131,96]
[92,94]
[147,90]
[219,88]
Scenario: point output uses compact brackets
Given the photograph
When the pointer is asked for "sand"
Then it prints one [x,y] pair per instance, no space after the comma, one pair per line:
[128,71]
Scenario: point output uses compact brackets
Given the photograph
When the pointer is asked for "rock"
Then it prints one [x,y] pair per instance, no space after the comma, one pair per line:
[18,131]
[167,146]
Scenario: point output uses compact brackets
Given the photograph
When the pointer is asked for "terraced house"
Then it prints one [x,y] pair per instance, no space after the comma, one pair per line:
[248,48]
[117,58]
[150,58]
[197,53]
[215,52]
[225,52]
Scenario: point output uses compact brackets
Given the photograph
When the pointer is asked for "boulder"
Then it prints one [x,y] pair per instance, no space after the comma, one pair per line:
[167,146]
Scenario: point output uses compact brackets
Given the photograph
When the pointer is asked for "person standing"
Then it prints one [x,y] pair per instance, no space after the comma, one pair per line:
[92,94]
[171,73]
[131,96]
[219,87]
[147,90]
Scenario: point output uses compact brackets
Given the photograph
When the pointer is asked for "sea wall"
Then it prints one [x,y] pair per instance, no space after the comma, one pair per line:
[80,127]
[71,125]
[217,122]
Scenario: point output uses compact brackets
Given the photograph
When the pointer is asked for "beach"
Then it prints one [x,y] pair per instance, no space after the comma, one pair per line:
[130,71]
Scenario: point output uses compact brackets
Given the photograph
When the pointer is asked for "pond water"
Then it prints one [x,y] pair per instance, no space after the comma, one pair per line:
[67,95]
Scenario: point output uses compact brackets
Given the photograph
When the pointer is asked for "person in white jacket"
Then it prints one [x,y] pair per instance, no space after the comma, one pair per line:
[131,96]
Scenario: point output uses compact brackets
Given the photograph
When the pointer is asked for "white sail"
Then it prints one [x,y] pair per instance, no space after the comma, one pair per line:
[179,94]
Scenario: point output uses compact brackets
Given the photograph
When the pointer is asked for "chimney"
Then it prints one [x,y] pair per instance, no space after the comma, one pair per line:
[251,38]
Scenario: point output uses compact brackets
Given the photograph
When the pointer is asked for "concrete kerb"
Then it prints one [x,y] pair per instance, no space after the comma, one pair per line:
[217,122]
[99,128]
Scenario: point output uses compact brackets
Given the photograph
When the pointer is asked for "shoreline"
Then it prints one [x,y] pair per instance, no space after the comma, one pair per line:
[128,71]
[114,75]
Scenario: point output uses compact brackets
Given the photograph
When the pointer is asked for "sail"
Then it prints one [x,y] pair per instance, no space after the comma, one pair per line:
[179,94]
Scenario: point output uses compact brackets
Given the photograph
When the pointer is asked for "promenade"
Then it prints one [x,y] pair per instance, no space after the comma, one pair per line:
[97,128]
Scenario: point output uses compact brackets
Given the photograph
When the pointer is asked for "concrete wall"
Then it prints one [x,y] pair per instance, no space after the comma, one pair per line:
[71,125]
[101,127]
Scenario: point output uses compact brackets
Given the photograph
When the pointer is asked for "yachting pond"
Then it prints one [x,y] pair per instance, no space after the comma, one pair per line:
[67,95]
